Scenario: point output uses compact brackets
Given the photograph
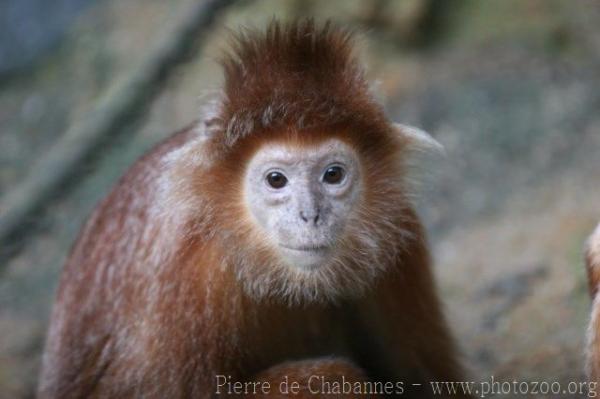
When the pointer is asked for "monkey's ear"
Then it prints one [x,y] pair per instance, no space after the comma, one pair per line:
[422,161]
[419,140]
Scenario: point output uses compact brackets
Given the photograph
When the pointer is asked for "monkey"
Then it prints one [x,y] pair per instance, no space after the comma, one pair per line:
[272,239]
[592,262]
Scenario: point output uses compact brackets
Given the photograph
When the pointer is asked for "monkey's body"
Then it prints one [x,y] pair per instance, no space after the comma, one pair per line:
[128,329]
[168,287]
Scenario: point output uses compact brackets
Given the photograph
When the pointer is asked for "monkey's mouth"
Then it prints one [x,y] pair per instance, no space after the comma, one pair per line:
[305,257]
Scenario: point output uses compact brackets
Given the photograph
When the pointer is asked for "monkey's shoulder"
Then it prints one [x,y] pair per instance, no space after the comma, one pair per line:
[133,207]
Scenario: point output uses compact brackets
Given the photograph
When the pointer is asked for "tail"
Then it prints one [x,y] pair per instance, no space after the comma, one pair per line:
[592,263]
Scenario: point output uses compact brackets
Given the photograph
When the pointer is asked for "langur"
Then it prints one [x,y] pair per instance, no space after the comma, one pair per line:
[592,261]
[273,239]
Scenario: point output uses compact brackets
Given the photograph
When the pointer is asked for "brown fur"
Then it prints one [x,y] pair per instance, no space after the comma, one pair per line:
[592,261]
[298,76]
[169,285]
[303,373]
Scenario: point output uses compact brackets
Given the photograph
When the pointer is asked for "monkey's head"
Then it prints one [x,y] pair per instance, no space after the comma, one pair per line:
[304,173]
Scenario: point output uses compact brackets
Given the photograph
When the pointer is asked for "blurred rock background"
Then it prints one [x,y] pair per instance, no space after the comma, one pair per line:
[511,88]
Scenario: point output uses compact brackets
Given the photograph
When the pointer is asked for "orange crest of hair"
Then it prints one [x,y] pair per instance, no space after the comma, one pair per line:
[299,76]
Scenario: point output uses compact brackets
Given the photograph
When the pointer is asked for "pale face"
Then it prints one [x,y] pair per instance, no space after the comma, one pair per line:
[301,197]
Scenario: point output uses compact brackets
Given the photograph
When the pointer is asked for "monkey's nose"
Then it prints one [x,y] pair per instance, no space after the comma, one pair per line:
[310,216]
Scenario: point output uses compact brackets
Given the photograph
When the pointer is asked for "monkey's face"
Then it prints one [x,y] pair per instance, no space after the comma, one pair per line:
[301,197]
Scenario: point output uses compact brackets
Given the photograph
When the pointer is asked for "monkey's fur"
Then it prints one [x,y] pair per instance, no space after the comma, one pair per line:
[170,283]
[592,261]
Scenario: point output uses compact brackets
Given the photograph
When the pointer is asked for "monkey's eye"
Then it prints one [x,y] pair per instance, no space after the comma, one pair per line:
[276,180]
[333,175]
